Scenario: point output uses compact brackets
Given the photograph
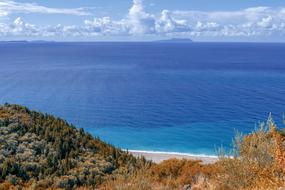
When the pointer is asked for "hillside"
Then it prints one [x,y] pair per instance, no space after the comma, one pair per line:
[41,150]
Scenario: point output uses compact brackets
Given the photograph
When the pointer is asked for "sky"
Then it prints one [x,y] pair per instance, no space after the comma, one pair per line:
[143,20]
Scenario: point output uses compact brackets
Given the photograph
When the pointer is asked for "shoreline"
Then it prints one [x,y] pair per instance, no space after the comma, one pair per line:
[158,157]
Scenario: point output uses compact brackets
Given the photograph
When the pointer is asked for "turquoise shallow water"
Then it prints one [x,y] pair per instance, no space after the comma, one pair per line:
[173,139]
[149,96]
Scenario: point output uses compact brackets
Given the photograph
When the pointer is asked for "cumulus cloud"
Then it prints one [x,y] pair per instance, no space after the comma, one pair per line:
[104,26]
[256,21]
[139,21]
[8,7]
[166,23]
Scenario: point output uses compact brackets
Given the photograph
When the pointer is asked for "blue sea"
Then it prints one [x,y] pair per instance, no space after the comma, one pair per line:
[170,97]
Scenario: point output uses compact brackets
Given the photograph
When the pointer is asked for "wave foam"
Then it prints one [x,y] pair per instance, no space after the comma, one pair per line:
[173,153]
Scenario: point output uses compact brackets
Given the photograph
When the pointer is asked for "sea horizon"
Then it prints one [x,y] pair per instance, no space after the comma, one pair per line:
[143,41]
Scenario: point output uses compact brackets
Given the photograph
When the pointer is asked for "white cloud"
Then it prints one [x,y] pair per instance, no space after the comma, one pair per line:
[11,7]
[104,26]
[139,21]
[266,22]
[167,23]
[250,22]
[256,21]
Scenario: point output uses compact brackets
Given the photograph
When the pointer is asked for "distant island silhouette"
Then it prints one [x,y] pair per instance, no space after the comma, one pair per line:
[177,40]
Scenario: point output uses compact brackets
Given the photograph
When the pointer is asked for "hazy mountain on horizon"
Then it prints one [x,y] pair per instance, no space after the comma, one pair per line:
[177,40]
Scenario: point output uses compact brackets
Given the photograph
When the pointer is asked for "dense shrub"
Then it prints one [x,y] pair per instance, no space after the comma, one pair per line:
[256,162]
[48,151]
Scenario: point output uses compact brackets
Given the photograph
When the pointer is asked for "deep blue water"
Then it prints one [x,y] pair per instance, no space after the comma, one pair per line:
[149,96]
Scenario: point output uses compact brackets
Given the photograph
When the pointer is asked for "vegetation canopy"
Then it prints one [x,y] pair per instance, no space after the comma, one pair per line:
[40,149]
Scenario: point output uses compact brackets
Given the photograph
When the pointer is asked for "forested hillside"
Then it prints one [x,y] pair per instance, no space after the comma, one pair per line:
[41,150]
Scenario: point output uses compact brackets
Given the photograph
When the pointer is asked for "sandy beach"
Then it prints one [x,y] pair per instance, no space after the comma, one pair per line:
[158,157]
